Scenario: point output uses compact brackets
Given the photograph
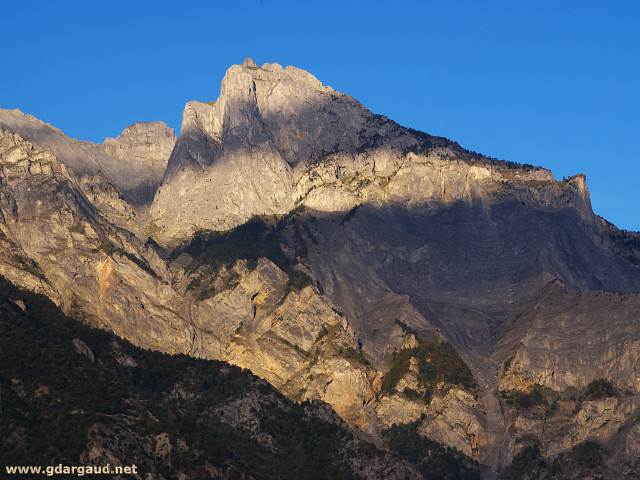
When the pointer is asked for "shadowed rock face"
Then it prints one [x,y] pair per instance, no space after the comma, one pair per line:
[493,279]
[463,266]
[404,236]
[144,150]
[288,109]
[134,162]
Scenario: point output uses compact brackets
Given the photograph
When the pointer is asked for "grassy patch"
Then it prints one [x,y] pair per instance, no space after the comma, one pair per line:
[302,352]
[324,331]
[406,329]
[77,228]
[328,329]
[540,183]
[152,228]
[297,281]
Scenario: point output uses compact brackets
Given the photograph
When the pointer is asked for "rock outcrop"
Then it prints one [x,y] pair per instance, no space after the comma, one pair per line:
[144,148]
[134,162]
[160,416]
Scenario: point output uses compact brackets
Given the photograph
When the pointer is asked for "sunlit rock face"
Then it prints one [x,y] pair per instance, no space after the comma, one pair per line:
[249,152]
[403,237]
[277,138]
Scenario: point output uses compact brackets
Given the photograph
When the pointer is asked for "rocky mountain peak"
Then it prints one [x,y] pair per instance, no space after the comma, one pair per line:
[287,108]
[149,129]
[248,62]
[19,158]
[277,137]
[146,143]
[134,162]
[273,74]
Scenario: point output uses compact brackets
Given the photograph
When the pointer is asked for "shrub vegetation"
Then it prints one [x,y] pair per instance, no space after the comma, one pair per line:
[436,361]
[434,461]
[55,400]
[259,237]
[599,389]
[520,399]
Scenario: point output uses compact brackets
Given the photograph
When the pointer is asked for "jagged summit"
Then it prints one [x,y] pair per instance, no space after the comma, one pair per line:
[236,156]
[145,143]
[286,109]
[276,138]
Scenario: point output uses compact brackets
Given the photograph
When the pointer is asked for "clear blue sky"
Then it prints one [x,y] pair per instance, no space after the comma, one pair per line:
[550,83]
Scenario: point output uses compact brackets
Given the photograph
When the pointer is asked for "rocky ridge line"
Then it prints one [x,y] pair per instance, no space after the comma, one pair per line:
[391,224]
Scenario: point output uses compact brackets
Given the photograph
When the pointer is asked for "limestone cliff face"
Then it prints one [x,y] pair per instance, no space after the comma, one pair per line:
[17,159]
[145,148]
[57,243]
[405,226]
[392,227]
[85,263]
[150,143]
[602,341]
[247,152]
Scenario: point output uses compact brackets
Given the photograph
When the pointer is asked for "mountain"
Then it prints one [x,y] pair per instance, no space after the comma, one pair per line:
[252,151]
[342,257]
[134,162]
[73,395]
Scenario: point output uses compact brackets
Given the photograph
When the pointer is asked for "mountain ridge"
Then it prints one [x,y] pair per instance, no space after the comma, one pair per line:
[281,146]
[316,240]
[137,178]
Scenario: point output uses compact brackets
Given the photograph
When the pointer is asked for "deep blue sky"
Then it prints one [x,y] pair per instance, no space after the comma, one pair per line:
[550,83]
